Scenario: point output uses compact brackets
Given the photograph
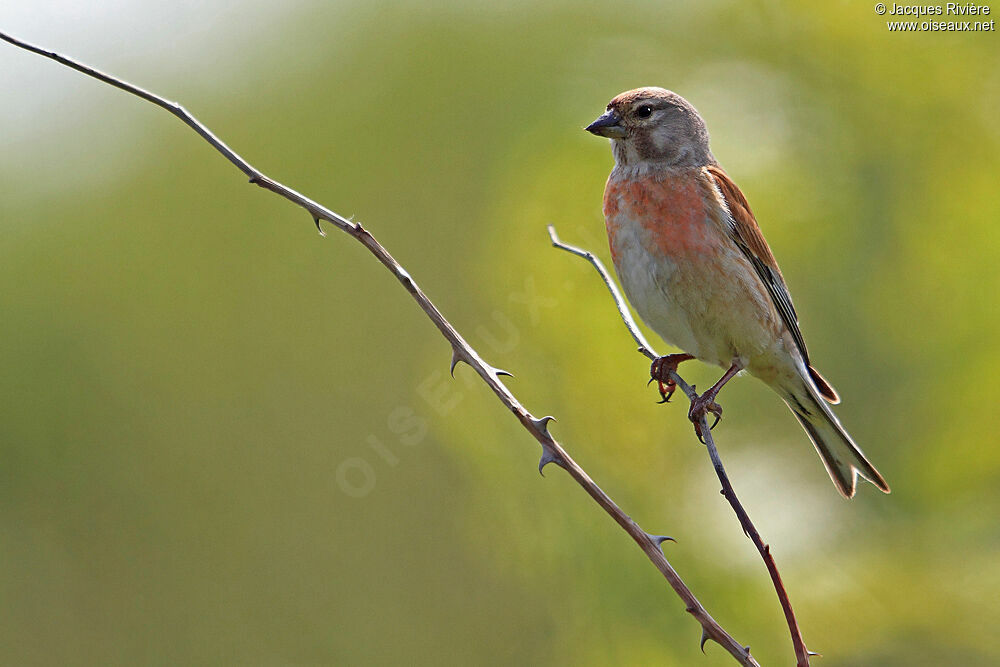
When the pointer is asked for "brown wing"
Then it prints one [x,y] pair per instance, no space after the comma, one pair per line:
[743,230]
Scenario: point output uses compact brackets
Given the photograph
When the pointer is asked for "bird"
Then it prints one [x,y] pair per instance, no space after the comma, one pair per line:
[696,268]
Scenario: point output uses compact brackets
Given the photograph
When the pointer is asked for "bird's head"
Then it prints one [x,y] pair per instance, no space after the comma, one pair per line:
[654,127]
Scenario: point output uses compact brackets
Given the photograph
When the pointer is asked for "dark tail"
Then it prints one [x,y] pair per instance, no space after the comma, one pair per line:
[843,459]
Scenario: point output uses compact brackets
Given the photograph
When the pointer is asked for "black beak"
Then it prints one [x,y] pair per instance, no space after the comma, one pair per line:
[608,125]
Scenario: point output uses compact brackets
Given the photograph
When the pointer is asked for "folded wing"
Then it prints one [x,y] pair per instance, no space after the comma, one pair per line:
[743,230]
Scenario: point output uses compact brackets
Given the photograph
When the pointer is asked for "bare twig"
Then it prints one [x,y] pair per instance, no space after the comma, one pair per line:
[801,653]
[552,451]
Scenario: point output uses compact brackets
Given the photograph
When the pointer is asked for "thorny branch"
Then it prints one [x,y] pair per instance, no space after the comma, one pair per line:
[802,654]
[552,451]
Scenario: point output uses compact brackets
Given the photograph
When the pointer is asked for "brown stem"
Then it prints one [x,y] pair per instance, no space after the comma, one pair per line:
[801,652]
[552,451]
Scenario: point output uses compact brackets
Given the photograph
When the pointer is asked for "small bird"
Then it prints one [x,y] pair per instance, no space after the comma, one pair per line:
[696,268]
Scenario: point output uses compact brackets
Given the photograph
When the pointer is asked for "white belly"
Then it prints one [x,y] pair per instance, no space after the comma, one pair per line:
[712,307]
[646,280]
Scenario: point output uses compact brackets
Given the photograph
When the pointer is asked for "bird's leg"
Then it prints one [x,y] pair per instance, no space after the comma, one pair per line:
[700,405]
[660,371]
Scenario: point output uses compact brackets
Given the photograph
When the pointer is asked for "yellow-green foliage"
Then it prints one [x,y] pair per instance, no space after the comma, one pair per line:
[187,365]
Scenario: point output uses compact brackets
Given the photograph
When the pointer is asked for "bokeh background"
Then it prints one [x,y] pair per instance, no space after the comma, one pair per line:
[224,439]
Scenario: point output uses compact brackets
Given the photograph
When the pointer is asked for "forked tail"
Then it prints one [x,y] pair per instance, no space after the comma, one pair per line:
[843,459]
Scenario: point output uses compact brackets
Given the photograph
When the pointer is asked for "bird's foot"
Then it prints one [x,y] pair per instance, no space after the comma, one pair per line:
[660,371]
[704,404]
[701,406]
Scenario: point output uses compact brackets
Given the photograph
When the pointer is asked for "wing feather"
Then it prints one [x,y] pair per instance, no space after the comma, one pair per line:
[743,230]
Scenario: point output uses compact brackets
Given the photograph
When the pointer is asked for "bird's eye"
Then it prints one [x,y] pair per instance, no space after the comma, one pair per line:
[645,111]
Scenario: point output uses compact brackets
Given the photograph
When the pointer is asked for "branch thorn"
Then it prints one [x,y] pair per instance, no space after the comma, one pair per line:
[455,358]
[704,638]
[660,539]
[318,228]
[547,458]
[543,423]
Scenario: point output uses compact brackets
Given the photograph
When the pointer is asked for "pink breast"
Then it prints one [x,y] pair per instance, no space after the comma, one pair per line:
[671,209]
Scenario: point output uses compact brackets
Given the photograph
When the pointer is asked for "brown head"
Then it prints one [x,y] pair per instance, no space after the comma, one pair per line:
[654,127]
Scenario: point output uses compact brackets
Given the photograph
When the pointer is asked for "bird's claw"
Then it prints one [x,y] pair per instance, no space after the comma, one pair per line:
[660,370]
[666,390]
[700,407]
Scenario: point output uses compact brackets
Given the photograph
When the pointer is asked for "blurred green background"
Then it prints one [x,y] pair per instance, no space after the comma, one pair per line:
[224,439]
